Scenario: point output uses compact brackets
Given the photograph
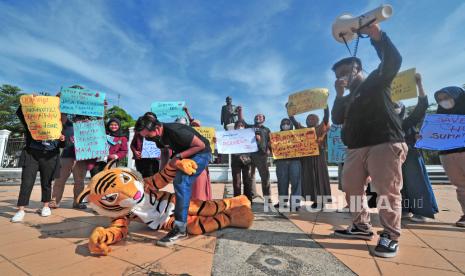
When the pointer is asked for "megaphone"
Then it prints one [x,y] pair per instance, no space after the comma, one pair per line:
[345,23]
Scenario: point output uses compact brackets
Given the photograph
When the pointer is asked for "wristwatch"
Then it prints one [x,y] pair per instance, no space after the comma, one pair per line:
[178,156]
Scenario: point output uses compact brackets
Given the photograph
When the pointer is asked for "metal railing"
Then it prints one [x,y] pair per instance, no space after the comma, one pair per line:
[12,153]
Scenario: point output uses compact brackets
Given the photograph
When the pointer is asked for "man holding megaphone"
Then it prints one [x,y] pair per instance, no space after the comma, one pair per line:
[373,134]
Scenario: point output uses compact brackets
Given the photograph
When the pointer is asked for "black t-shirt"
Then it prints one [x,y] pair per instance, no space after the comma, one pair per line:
[178,137]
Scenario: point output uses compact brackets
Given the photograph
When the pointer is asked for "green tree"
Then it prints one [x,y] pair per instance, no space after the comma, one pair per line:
[9,102]
[117,112]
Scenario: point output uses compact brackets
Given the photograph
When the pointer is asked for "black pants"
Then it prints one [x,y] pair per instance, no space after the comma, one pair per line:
[147,166]
[239,170]
[260,161]
[33,161]
[99,166]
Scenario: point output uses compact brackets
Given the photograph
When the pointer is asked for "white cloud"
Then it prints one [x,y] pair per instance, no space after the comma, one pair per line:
[184,58]
[260,77]
[81,40]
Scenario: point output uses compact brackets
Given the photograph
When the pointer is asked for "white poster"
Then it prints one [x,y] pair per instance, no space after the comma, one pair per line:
[236,141]
[150,150]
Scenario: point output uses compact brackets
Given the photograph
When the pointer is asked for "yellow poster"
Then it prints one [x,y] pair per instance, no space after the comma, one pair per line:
[42,115]
[404,86]
[307,100]
[294,143]
[209,133]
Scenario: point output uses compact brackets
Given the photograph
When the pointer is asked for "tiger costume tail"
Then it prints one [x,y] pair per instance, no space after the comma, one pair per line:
[205,216]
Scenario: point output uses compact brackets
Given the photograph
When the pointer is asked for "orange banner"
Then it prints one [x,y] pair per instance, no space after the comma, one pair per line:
[42,115]
[294,143]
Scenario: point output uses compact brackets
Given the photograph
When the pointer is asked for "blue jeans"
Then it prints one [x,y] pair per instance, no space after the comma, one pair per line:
[183,188]
[289,171]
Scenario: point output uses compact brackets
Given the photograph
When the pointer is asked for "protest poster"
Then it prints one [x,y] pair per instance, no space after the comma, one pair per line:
[442,132]
[404,86]
[168,112]
[336,148]
[90,140]
[42,116]
[294,143]
[209,133]
[307,100]
[236,141]
[82,102]
[150,149]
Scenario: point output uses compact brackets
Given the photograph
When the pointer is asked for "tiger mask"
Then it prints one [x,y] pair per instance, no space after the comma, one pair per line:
[123,195]
[114,192]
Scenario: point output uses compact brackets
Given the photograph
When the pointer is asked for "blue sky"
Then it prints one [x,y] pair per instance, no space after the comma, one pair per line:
[258,52]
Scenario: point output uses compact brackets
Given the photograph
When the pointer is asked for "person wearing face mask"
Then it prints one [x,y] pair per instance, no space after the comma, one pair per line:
[451,100]
[68,165]
[372,131]
[315,176]
[185,142]
[241,167]
[288,170]
[118,145]
[181,120]
[37,156]
[417,194]
[260,158]
[145,166]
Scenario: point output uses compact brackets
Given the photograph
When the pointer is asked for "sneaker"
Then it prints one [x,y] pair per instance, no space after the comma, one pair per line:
[420,219]
[18,217]
[45,212]
[406,215]
[386,247]
[284,207]
[317,206]
[461,222]
[343,210]
[353,232]
[172,237]
[80,206]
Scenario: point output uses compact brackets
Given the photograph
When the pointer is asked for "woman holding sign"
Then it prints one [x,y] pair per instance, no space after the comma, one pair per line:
[417,193]
[68,164]
[315,176]
[241,167]
[288,171]
[118,144]
[451,100]
[37,156]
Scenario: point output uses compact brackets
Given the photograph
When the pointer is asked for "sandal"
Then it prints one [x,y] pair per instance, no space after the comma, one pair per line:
[53,204]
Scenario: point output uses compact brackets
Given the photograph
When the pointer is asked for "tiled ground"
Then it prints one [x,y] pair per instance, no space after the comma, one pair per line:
[57,245]
[434,248]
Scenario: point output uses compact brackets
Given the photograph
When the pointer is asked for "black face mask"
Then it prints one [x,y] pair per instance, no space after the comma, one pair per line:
[154,139]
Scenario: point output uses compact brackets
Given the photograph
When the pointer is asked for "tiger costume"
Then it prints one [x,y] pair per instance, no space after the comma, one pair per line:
[123,195]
